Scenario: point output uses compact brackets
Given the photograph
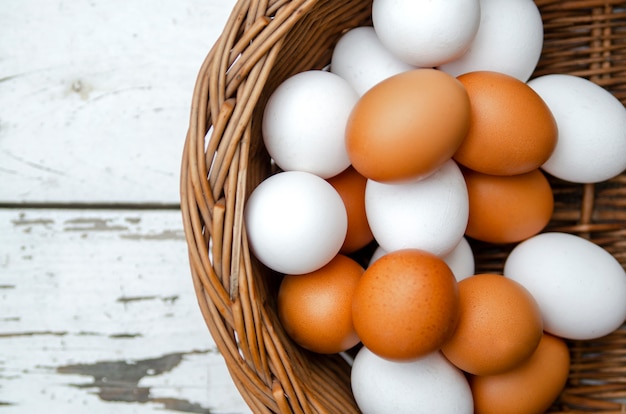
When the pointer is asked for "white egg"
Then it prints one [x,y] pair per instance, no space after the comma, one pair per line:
[591,144]
[460,260]
[427,385]
[579,286]
[430,214]
[426,33]
[361,59]
[295,221]
[509,40]
[304,123]
[378,253]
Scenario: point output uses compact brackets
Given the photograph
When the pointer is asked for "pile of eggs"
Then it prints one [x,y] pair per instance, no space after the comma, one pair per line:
[424,132]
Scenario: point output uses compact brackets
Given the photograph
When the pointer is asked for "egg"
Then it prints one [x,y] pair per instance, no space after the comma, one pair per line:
[512,130]
[579,286]
[499,325]
[530,388]
[509,40]
[405,305]
[407,126]
[362,60]
[295,221]
[316,308]
[304,122]
[378,253]
[426,33]
[351,187]
[429,214]
[423,386]
[460,259]
[591,121]
[507,209]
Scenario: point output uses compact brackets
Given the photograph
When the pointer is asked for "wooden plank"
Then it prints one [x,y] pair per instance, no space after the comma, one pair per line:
[95,96]
[98,315]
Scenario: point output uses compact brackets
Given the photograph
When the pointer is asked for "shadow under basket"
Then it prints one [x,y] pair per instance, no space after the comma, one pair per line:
[262,44]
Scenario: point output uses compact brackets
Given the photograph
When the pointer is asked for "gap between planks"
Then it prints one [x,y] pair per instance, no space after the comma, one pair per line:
[88,206]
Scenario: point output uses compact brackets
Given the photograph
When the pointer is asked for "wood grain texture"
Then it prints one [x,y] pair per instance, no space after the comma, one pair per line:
[95,96]
[97,308]
[98,312]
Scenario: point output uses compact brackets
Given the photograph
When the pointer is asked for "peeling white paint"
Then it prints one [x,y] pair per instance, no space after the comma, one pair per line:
[94,105]
[71,299]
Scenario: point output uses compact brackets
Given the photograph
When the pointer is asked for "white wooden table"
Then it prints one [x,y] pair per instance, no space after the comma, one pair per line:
[97,310]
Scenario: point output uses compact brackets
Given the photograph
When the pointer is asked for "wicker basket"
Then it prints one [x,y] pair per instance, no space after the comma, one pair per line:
[262,44]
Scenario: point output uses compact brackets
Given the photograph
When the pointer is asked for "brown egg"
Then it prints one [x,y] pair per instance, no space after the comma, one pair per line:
[408,125]
[316,308]
[499,325]
[405,305]
[507,209]
[351,187]
[530,388]
[512,130]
